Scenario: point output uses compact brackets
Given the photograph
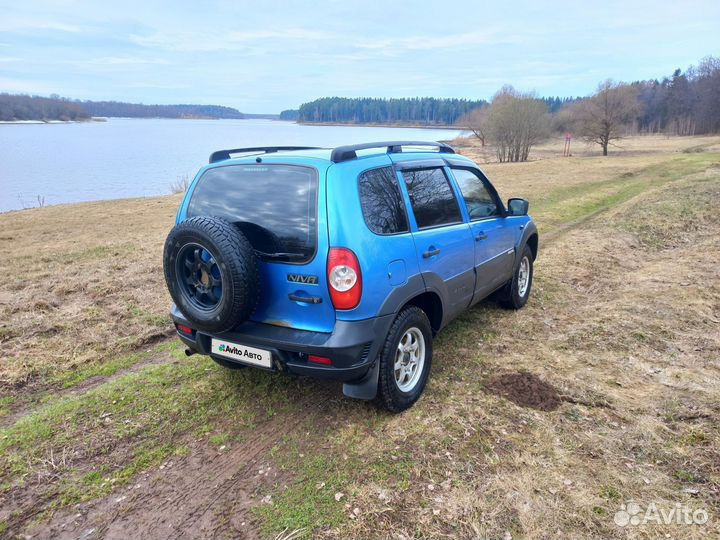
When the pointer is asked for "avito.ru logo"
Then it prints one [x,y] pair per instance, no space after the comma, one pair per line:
[633,514]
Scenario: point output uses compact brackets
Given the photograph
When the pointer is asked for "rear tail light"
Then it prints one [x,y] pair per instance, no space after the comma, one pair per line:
[184,329]
[319,360]
[344,278]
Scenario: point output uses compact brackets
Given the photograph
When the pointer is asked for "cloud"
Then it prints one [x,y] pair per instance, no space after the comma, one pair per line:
[420,43]
[23,26]
[25,86]
[124,61]
[159,86]
[224,41]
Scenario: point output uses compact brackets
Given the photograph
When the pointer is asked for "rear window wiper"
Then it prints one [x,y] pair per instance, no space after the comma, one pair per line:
[280,255]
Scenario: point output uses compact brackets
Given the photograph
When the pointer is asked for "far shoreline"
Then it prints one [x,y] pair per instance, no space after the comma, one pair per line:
[379,125]
[316,124]
[36,122]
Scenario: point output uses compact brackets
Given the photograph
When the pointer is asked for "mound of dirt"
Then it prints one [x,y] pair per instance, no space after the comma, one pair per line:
[526,390]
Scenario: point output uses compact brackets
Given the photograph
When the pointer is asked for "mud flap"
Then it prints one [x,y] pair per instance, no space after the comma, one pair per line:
[365,388]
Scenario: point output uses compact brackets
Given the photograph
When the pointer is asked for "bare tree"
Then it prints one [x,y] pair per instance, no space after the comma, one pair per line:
[515,123]
[602,118]
[708,95]
[476,121]
[180,185]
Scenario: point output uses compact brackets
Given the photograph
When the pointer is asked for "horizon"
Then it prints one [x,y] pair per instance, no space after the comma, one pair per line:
[167,56]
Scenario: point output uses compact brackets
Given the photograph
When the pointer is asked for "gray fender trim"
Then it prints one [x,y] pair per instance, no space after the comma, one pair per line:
[400,295]
[416,285]
[366,387]
[528,231]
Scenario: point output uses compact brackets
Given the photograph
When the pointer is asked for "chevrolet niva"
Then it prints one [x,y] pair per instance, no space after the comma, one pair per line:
[342,263]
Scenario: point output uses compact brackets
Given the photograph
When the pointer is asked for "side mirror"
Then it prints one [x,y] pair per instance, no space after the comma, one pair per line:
[518,207]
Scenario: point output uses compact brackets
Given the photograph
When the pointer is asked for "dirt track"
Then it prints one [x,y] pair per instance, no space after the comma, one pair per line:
[207,493]
[185,498]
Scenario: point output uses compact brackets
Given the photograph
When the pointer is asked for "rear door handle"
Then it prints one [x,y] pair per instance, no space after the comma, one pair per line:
[431,253]
[305,299]
[480,236]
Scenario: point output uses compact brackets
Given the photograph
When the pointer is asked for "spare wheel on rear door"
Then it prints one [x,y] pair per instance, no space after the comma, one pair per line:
[211,272]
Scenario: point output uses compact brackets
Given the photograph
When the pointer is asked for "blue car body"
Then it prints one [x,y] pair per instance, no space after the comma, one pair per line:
[445,269]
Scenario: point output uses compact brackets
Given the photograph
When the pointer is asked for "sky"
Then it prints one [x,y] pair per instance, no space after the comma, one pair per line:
[263,57]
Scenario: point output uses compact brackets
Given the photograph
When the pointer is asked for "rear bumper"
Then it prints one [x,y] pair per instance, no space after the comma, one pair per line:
[353,346]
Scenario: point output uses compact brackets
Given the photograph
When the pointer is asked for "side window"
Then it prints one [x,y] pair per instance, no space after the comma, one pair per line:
[432,199]
[480,203]
[382,204]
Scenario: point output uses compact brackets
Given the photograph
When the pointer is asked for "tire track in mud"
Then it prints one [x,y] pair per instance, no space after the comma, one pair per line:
[190,493]
[209,493]
[25,408]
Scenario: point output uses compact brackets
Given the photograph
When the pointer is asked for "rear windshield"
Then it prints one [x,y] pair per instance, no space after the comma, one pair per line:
[274,205]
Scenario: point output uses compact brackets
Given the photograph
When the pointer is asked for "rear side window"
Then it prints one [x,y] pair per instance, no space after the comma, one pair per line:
[382,204]
[275,206]
[432,199]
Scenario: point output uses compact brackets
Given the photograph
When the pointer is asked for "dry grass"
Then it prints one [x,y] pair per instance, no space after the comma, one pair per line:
[82,284]
[624,324]
[180,185]
[630,147]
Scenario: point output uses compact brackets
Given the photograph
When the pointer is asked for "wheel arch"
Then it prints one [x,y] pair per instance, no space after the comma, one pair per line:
[532,241]
[431,304]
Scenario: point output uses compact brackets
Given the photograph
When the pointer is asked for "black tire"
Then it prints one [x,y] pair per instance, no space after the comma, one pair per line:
[510,296]
[390,395]
[226,291]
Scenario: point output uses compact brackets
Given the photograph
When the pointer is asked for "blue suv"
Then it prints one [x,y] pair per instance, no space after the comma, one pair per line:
[342,263]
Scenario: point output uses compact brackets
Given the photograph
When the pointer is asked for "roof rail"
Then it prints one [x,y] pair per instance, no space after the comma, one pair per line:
[346,153]
[221,155]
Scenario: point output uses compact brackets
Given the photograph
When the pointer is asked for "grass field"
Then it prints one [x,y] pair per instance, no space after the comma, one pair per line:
[536,424]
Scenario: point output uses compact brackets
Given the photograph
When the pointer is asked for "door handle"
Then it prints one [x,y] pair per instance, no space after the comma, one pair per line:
[480,236]
[305,299]
[431,253]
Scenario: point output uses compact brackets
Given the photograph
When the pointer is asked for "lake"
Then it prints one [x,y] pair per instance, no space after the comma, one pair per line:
[129,157]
